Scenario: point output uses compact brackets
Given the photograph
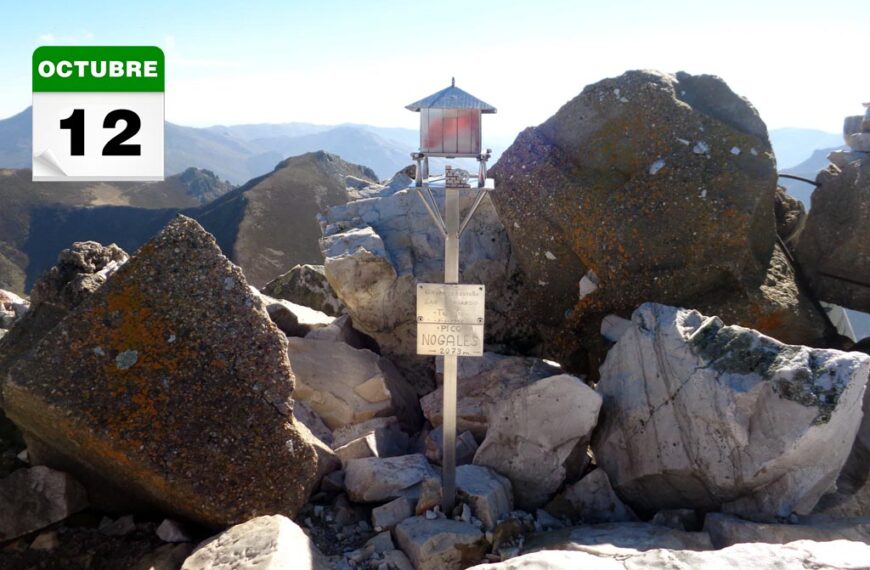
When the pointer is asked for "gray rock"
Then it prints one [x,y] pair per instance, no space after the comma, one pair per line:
[726,530]
[533,433]
[166,557]
[591,500]
[312,421]
[483,382]
[707,416]
[466,446]
[346,434]
[389,515]
[306,285]
[489,494]
[293,319]
[376,443]
[381,479]
[266,543]
[121,527]
[341,330]
[834,248]
[172,531]
[852,496]
[31,499]
[440,544]
[613,327]
[680,519]
[837,555]
[345,385]
[619,538]
[377,249]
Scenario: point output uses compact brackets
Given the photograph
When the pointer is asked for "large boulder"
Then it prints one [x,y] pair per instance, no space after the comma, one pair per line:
[702,415]
[170,384]
[646,187]
[378,249]
[834,249]
[535,433]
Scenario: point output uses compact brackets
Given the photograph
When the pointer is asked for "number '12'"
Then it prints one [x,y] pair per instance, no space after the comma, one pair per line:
[75,123]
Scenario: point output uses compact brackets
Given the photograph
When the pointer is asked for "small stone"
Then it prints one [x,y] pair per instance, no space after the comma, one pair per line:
[441,544]
[680,519]
[591,500]
[389,515]
[431,515]
[548,521]
[121,527]
[489,494]
[333,482]
[430,496]
[45,541]
[171,531]
[465,515]
[466,446]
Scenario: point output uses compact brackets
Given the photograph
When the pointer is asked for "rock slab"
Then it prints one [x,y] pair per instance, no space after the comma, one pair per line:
[535,431]
[265,543]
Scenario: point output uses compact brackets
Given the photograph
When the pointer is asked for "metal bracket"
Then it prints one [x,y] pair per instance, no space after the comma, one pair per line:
[480,194]
[432,208]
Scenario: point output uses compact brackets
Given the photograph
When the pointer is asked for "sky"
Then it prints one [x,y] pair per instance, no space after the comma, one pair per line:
[330,62]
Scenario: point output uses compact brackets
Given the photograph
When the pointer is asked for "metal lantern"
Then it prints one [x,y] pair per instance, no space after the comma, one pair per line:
[450,122]
[450,126]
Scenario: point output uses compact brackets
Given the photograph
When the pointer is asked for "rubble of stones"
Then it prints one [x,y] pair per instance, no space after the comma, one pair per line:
[157,411]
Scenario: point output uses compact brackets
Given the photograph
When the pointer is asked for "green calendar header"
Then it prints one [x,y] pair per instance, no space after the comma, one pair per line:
[98,68]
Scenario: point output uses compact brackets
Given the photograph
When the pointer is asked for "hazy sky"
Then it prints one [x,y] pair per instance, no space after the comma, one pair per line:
[319,61]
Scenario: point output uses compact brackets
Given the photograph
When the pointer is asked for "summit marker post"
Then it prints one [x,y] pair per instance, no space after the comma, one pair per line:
[450,316]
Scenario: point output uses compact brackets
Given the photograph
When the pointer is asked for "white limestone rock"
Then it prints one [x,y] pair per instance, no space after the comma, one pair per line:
[702,415]
[440,544]
[533,433]
[345,385]
[836,555]
[374,479]
[489,493]
[266,543]
[591,500]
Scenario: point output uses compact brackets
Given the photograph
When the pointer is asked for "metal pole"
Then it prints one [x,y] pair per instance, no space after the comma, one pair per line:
[451,275]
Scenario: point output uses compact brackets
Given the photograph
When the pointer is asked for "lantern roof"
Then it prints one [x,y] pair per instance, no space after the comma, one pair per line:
[451,98]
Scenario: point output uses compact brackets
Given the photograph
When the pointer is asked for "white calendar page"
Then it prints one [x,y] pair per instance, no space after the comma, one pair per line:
[52,145]
[98,113]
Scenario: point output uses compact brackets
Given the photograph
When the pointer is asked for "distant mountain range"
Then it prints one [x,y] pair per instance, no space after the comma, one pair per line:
[793,146]
[266,226]
[241,152]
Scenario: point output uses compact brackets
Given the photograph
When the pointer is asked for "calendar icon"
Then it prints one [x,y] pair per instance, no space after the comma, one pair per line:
[98,113]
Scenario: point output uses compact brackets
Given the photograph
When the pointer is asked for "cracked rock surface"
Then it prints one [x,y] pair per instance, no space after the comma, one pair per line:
[703,415]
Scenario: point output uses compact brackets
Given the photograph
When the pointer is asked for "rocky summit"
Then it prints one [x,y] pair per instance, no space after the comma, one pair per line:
[664,380]
[172,385]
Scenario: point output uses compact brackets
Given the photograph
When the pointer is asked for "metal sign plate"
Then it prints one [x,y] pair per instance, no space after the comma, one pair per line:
[450,319]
